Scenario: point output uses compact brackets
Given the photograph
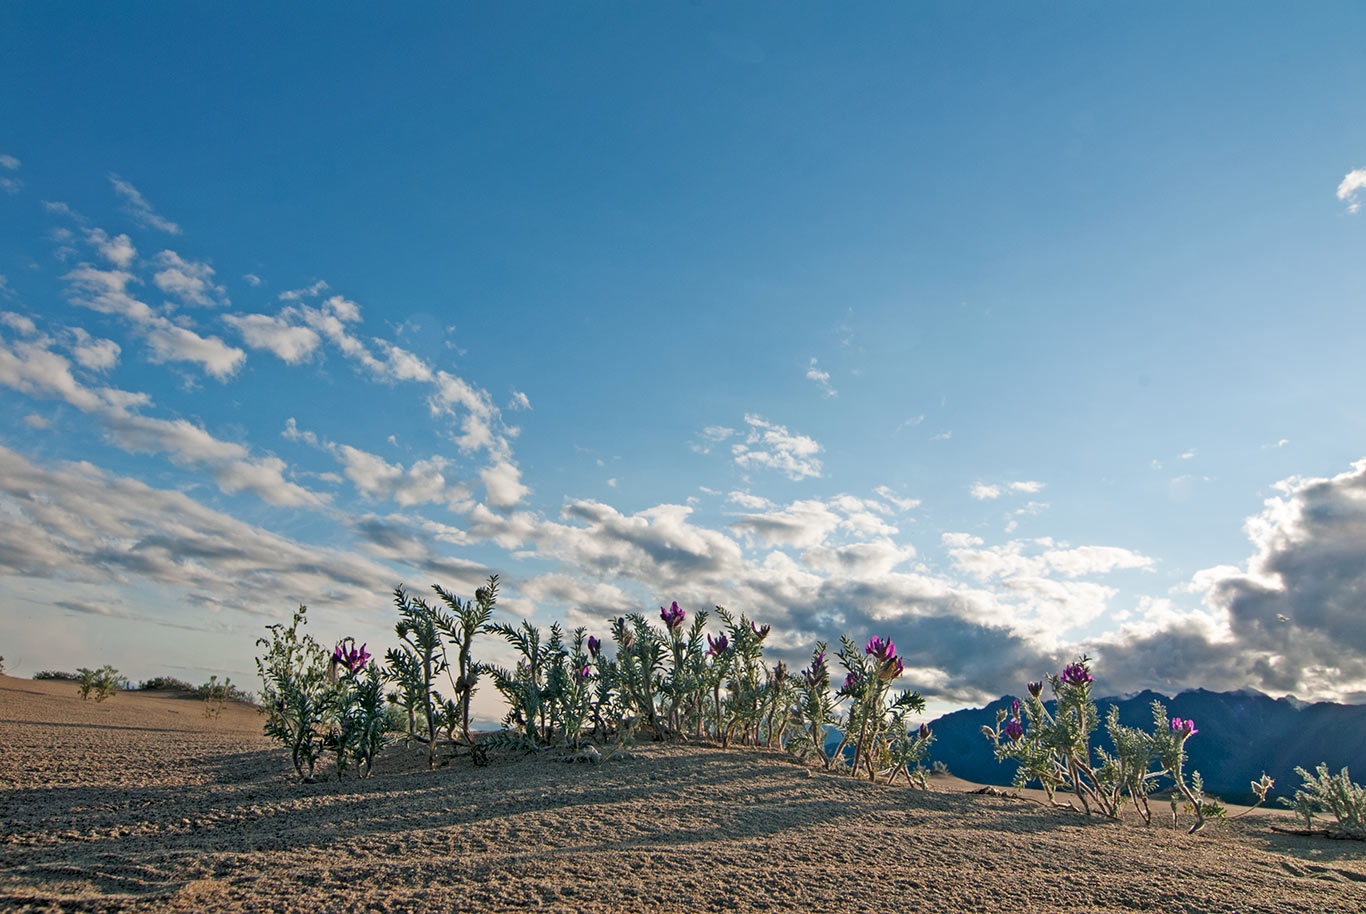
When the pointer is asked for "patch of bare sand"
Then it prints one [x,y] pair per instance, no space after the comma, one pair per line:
[143,804]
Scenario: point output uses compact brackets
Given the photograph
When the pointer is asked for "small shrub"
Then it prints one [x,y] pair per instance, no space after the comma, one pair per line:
[101,683]
[294,691]
[58,675]
[1325,792]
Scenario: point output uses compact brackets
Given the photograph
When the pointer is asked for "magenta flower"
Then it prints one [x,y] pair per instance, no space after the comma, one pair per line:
[851,682]
[348,655]
[881,649]
[1015,708]
[1013,728]
[673,616]
[717,646]
[1183,728]
[1076,674]
[760,632]
[584,673]
[594,645]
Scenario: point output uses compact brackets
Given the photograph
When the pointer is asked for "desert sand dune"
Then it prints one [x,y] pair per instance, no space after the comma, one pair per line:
[143,804]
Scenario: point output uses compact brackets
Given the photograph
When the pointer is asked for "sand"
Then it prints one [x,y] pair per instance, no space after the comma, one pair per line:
[143,804]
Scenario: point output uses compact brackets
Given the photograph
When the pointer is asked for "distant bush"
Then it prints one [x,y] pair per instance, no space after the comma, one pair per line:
[165,684]
[102,683]
[60,675]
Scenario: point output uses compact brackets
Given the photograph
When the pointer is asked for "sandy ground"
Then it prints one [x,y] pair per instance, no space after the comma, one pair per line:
[143,804]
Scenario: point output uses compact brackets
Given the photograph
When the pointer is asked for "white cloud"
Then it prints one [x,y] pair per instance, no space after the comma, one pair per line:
[746,500]
[138,207]
[18,322]
[941,436]
[1187,455]
[503,484]
[519,401]
[313,291]
[774,447]
[887,494]
[190,281]
[33,420]
[118,250]
[172,343]
[711,435]
[1352,185]
[1028,485]
[981,491]
[612,483]
[91,353]
[813,373]
[8,184]
[291,343]
[252,279]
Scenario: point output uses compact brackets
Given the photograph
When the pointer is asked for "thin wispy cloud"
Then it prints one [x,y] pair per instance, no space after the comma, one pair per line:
[822,378]
[136,205]
[772,446]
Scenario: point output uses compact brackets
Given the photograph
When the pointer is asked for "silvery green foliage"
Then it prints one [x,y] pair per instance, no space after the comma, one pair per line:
[814,708]
[550,692]
[102,683]
[1054,750]
[417,661]
[875,719]
[357,722]
[466,620]
[295,691]
[1325,792]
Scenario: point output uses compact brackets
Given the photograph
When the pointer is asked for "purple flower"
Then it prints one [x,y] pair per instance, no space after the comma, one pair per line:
[813,678]
[717,646]
[1076,674]
[594,645]
[880,649]
[1015,708]
[1183,728]
[1013,728]
[348,655]
[1035,688]
[583,674]
[673,616]
[760,632]
[851,682]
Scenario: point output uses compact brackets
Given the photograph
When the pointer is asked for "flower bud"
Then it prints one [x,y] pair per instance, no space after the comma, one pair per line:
[924,731]
[1035,688]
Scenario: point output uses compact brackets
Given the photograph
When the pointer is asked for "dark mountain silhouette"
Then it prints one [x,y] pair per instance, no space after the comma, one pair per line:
[1241,735]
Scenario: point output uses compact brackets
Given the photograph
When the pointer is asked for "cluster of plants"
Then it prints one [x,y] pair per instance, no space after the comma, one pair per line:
[55,675]
[1053,748]
[213,693]
[679,679]
[99,684]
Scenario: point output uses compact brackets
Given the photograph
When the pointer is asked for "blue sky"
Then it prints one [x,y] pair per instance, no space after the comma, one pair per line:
[1010,333]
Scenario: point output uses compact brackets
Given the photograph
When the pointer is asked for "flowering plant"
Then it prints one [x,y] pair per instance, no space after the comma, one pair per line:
[1053,748]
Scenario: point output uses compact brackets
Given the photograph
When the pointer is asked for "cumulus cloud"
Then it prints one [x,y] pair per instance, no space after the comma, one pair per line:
[1029,486]
[981,491]
[136,205]
[189,281]
[291,343]
[1291,619]
[772,446]
[18,322]
[118,250]
[107,291]
[91,353]
[1350,187]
